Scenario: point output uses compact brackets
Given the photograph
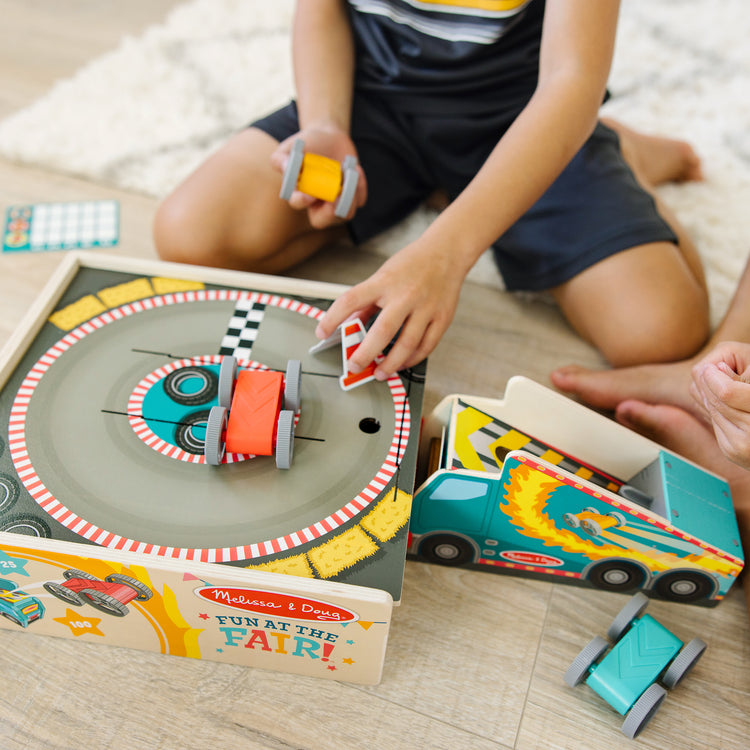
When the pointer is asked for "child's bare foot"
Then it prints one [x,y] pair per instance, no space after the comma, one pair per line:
[605,389]
[656,159]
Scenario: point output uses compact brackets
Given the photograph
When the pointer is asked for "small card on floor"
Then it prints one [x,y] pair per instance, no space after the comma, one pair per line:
[61,226]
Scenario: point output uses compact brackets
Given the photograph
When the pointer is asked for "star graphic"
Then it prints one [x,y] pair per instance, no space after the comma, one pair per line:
[204,616]
[348,661]
[80,625]
[12,564]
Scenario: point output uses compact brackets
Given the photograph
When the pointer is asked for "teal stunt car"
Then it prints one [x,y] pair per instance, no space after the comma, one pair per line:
[633,675]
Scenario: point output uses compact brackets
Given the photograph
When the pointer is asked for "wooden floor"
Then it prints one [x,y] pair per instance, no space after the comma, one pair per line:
[475,660]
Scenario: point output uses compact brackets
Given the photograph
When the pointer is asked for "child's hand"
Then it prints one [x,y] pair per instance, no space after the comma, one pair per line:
[335,144]
[721,386]
[416,292]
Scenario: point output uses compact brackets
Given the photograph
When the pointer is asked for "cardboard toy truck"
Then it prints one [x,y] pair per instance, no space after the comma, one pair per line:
[536,484]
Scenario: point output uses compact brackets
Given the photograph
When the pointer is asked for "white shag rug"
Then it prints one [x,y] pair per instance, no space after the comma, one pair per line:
[144,115]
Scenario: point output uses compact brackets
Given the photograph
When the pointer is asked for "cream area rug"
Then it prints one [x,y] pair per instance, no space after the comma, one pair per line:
[144,115]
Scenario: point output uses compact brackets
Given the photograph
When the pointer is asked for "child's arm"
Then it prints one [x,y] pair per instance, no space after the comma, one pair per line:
[323,61]
[417,289]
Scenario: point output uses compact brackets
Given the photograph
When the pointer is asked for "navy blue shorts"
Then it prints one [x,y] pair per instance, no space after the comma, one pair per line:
[593,210]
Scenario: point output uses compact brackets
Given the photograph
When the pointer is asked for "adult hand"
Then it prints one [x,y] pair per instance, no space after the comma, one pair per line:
[415,292]
[721,386]
[326,140]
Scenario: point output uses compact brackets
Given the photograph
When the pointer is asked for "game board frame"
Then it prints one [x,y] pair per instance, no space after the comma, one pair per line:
[368,601]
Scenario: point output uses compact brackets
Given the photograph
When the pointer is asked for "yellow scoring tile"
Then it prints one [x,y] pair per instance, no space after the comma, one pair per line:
[292,566]
[388,516]
[342,552]
[170,286]
[77,312]
[114,296]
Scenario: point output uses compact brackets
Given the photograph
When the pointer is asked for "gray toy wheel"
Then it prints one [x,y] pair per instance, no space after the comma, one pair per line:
[632,610]
[75,573]
[61,592]
[348,187]
[227,376]
[591,527]
[579,669]
[293,167]
[683,662]
[643,711]
[292,384]
[214,446]
[285,439]
[104,602]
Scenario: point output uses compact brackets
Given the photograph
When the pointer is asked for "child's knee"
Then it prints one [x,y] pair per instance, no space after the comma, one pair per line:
[665,335]
[174,236]
[183,233]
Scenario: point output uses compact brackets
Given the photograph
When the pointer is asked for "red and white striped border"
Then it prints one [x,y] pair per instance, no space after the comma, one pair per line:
[51,505]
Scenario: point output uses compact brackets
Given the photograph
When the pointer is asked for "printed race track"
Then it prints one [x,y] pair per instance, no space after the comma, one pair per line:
[99,472]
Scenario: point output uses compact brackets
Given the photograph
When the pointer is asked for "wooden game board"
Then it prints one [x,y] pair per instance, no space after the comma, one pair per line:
[94,454]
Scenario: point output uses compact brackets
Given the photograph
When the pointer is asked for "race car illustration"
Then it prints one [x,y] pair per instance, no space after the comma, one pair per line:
[111,596]
[255,414]
[18,606]
[593,522]
[645,660]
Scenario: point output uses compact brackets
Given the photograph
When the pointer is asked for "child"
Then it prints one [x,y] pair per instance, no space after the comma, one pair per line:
[494,102]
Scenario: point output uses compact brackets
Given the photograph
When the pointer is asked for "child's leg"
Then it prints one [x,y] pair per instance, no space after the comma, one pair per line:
[648,303]
[228,213]
[645,304]
[656,383]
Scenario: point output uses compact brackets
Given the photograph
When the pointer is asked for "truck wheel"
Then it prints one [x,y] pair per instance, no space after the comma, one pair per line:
[285,439]
[683,662]
[227,377]
[643,711]
[616,575]
[446,549]
[684,586]
[631,611]
[590,653]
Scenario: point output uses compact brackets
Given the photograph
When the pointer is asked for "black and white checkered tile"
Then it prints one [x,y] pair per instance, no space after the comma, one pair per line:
[242,329]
